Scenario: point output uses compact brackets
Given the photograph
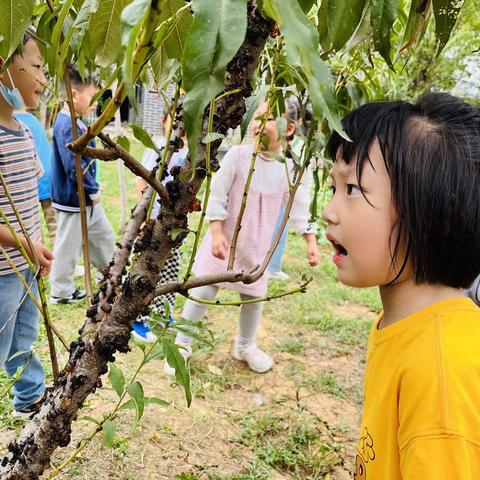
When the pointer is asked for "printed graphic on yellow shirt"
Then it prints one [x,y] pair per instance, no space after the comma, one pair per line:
[365,454]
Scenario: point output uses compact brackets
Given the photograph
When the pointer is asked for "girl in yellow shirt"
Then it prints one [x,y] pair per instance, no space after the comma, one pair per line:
[405,215]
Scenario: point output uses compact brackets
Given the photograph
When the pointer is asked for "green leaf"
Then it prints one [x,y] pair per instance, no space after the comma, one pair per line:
[301,39]
[382,16]
[124,142]
[130,404]
[163,68]
[446,13]
[216,34]
[144,137]
[211,137]
[90,419]
[174,43]
[251,105]
[131,17]
[306,5]
[132,21]
[343,19]
[83,18]
[176,360]
[59,45]
[135,390]
[105,31]
[281,124]
[116,379]
[109,428]
[15,17]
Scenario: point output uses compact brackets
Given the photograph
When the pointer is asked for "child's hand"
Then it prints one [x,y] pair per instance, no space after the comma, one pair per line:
[219,246]
[44,257]
[313,255]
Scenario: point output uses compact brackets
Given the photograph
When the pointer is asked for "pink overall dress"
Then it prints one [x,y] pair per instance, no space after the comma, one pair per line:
[255,236]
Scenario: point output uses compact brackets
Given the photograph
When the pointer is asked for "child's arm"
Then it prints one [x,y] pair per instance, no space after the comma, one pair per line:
[43,255]
[217,205]
[299,221]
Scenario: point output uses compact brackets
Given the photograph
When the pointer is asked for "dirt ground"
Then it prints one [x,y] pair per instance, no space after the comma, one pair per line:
[316,384]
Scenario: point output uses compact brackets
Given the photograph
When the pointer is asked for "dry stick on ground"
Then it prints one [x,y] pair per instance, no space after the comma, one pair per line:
[80,189]
[51,426]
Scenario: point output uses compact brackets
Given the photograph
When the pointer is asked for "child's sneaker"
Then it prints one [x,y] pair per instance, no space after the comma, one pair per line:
[256,359]
[185,351]
[142,333]
[28,412]
[75,297]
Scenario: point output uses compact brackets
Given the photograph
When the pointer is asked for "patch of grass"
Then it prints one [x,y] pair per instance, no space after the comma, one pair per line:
[292,444]
[327,382]
[289,345]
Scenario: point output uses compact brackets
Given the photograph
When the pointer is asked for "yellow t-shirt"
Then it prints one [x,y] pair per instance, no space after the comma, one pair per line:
[421,418]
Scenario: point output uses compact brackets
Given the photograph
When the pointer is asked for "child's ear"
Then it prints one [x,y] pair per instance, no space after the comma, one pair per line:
[291,129]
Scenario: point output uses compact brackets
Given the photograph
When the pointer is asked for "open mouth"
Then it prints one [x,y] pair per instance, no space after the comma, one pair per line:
[339,249]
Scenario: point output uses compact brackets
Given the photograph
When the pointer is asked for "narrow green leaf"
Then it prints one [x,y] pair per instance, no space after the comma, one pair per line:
[211,137]
[144,137]
[216,34]
[174,43]
[446,13]
[251,105]
[135,390]
[301,39]
[176,360]
[109,429]
[83,18]
[90,419]
[130,404]
[343,19]
[105,31]
[15,17]
[163,68]
[54,57]
[306,5]
[131,16]
[382,16]
[116,379]
[124,142]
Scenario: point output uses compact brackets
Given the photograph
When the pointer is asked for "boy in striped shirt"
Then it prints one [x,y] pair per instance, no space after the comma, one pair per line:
[20,86]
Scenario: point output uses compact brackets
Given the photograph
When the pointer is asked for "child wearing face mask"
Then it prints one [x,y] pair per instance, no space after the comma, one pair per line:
[268,190]
[405,215]
[20,87]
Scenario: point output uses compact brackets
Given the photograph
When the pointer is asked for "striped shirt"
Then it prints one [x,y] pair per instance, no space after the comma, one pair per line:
[21,170]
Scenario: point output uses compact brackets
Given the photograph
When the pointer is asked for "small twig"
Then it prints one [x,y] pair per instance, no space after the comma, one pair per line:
[80,187]
[115,151]
[229,276]
[238,225]
[301,289]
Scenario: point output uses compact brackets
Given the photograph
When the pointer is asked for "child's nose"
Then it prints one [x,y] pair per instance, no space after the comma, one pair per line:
[329,213]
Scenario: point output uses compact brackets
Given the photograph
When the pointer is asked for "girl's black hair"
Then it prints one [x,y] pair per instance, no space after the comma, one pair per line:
[431,151]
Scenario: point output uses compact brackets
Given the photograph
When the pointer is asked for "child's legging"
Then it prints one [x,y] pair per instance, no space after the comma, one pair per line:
[168,274]
[250,314]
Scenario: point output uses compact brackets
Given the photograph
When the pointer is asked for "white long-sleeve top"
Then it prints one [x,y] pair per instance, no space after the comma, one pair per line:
[269,176]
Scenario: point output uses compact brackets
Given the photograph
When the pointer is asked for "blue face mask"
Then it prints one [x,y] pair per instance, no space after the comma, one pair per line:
[12,96]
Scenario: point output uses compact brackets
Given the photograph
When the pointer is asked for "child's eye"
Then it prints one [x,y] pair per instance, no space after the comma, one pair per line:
[353,189]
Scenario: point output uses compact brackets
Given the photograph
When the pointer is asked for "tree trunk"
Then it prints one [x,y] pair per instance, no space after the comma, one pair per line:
[107,327]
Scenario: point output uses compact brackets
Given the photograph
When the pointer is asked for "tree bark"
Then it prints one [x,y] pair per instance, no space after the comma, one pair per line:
[116,305]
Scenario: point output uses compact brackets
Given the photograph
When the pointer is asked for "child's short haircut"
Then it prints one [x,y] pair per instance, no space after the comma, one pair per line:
[431,151]
[78,81]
